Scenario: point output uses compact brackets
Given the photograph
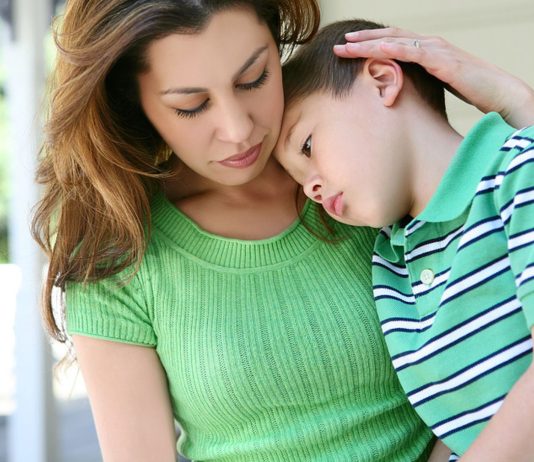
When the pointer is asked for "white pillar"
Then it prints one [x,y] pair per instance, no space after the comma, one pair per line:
[32,426]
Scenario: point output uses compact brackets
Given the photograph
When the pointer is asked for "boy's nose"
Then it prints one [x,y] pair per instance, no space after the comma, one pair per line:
[313,189]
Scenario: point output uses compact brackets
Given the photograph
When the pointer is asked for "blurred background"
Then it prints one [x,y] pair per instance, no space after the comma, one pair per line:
[46,416]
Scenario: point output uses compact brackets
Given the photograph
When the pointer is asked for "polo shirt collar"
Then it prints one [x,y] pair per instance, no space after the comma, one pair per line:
[470,163]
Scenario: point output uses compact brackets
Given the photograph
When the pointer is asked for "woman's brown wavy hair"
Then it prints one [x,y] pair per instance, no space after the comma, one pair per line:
[99,161]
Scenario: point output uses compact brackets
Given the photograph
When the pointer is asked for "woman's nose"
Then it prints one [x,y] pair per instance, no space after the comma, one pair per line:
[235,124]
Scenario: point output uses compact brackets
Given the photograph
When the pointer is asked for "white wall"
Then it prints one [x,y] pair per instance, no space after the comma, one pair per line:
[497,30]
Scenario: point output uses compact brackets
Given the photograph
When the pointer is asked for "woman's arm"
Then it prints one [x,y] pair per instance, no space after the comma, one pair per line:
[130,401]
[474,80]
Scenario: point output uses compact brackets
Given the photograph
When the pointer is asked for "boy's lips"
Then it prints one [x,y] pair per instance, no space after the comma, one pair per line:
[334,204]
[243,159]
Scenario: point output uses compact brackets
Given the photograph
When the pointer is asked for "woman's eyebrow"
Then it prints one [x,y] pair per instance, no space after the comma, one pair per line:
[191,90]
[250,61]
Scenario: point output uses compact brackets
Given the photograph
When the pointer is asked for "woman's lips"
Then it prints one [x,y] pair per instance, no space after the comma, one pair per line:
[334,204]
[243,159]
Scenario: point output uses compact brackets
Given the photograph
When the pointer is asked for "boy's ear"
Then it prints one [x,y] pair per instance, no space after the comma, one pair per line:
[386,76]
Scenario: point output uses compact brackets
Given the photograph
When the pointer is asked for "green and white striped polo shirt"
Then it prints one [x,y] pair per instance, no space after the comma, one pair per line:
[454,288]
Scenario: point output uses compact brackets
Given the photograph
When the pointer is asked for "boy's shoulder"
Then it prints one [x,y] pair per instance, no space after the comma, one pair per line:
[513,181]
[505,143]
[519,140]
[517,150]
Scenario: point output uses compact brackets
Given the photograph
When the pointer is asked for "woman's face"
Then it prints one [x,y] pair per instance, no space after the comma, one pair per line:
[216,97]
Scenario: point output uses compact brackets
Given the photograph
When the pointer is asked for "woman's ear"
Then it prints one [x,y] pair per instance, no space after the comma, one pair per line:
[386,76]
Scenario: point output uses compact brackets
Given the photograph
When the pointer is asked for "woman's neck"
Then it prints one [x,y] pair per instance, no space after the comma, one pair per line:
[259,209]
[185,184]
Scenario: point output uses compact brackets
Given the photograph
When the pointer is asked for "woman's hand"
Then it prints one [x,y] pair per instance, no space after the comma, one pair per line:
[472,79]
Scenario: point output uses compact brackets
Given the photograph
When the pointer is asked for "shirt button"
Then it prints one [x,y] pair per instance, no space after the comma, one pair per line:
[427,277]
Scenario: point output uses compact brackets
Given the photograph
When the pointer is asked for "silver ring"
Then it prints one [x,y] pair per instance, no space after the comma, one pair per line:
[416,43]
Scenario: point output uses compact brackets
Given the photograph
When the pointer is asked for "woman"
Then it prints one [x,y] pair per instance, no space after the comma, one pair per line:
[207,300]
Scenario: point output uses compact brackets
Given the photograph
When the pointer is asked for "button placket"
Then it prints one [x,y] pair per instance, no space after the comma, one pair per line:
[427,277]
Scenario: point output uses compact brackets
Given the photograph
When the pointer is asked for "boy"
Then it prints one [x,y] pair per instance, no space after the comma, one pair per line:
[453,275]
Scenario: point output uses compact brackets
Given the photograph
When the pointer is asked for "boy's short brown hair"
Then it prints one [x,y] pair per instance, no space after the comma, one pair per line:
[315,68]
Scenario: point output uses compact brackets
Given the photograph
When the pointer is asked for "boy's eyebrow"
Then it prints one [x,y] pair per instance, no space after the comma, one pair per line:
[190,90]
[291,130]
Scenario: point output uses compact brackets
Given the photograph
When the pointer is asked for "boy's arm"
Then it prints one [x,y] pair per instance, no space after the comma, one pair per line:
[440,453]
[509,436]
[472,79]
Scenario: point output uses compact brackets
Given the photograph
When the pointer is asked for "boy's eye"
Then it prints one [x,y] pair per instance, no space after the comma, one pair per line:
[307,147]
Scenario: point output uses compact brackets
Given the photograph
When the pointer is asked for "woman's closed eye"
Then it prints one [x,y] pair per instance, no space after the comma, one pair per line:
[258,83]
[247,86]
[306,147]
[191,113]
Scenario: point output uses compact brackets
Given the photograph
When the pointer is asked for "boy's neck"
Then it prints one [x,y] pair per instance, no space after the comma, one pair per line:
[433,145]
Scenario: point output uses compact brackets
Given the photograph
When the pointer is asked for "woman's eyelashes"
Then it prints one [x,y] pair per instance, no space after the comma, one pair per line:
[306,147]
[258,83]
[247,86]
[191,113]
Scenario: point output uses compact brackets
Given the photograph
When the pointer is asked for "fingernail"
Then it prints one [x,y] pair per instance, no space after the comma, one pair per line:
[339,47]
[351,34]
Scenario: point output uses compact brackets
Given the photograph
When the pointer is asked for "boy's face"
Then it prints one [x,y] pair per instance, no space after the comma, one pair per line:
[345,153]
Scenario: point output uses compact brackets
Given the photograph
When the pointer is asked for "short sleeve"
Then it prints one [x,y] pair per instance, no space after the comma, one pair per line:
[515,202]
[110,309]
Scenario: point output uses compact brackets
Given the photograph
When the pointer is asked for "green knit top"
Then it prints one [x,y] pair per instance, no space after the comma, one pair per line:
[272,348]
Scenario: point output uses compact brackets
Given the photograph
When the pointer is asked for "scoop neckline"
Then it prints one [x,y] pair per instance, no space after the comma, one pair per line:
[211,235]
[185,235]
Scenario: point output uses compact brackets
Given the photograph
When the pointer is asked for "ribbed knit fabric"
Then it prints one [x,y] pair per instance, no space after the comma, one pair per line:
[272,348]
